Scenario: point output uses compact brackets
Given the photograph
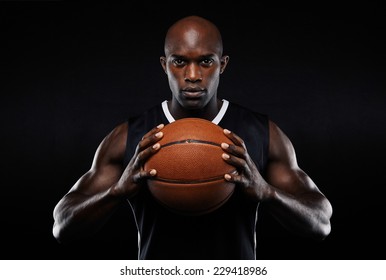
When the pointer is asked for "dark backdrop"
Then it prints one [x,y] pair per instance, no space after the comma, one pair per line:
[70,73]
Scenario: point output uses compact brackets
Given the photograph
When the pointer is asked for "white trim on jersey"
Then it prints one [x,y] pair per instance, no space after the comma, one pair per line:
[221,113]
[216,120]
[167,112]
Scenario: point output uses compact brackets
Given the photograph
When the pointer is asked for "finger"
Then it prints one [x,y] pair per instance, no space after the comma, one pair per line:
[150,139]
[142,175]
[235,161]
[153,131]
[144,155]
[234,150]
[235,178]
[234,138]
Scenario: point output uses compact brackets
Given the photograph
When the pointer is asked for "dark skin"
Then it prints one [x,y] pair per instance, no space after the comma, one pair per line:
[193,63]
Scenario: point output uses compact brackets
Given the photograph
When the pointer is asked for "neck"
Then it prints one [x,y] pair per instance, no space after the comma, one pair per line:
[209,112]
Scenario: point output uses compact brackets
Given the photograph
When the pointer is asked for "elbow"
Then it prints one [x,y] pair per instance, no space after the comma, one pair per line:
[61,229]
[323,228]
[322,232]
[57,233]
[57,228]
[60,234]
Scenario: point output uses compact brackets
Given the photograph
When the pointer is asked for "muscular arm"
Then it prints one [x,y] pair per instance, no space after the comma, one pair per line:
[287,191]
[294,199]
[91,201]
[96,195]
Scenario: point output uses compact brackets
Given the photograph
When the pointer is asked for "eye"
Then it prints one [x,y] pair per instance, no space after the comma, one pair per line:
[207,61]
[178,62]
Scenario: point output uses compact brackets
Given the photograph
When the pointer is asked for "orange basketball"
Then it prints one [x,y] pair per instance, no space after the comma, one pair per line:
[190,169]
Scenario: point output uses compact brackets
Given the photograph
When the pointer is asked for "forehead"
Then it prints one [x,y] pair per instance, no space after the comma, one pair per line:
[192,42]
[193,39]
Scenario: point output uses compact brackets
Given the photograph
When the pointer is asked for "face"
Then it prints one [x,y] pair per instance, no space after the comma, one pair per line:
[193,64]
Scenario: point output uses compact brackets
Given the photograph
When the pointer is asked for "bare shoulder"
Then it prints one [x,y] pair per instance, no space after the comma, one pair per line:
[280,146]
[283,170]
[117,136]
[107,164]
[112,147]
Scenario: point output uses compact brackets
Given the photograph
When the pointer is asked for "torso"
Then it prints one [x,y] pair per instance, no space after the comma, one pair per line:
[226,233]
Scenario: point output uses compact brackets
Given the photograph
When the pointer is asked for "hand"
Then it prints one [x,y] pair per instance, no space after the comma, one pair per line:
[248,176]
[134,175]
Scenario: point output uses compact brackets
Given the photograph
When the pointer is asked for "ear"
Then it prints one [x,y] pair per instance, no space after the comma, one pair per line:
[224,62]
[162,59]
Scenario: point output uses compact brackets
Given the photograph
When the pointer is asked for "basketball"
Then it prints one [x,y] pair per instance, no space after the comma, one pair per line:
[190,169]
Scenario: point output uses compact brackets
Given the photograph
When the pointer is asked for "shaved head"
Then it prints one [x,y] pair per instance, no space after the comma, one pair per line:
[193,31]
[193,62]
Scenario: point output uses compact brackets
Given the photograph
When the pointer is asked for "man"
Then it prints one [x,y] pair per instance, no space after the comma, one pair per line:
[263,155]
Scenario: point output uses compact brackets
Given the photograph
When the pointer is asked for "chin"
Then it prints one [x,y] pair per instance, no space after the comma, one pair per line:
[193,108]
[196,104]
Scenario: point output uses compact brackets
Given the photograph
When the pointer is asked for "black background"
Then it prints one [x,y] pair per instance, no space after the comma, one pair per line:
[71,72]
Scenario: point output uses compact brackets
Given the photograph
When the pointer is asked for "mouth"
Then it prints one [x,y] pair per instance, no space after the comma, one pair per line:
[193,93]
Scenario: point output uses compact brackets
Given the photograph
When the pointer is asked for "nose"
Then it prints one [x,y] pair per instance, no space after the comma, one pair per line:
[193,73]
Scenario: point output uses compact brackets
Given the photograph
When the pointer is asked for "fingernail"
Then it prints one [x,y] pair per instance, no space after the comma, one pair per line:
[226,131]
[159,134]
[160,125]
[224,145]
[153,172]
[156,146]
[227,177]
[225,156]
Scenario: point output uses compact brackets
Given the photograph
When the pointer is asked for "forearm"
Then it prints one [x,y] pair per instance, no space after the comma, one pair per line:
[78,215]
[307,214]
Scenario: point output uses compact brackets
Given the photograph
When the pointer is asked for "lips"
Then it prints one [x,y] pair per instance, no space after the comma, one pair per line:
[193,92]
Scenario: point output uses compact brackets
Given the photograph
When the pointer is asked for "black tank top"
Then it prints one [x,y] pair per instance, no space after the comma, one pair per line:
[227,233]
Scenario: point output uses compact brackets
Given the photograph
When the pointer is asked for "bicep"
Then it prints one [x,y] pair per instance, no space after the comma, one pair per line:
[107,165]
[283,171]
